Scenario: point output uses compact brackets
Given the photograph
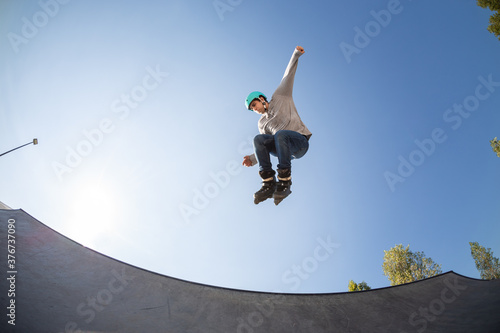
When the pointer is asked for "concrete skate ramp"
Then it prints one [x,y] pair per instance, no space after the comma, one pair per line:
[61,286]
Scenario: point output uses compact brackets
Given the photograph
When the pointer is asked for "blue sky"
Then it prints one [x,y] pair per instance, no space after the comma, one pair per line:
[138,108]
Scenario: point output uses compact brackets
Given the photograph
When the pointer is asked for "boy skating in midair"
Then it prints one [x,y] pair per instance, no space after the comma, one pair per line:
[282,134]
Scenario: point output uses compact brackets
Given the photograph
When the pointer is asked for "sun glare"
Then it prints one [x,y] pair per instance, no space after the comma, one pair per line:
[93,213]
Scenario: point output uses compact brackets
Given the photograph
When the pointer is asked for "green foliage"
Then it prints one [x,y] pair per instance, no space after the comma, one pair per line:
[495,144]
[487,265]
[353,286]
[493,5]
[402,265]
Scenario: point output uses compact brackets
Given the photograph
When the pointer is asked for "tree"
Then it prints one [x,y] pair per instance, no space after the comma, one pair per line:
[487,265]
[353,286]
[402,265]
[493,5]
[495,144]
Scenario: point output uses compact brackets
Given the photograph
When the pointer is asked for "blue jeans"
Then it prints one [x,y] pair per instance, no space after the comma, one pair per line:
[286,145]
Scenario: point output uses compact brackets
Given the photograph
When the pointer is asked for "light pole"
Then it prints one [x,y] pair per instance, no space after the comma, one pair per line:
[35,142]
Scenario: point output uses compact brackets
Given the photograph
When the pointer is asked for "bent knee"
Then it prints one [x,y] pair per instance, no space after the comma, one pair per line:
[282,135]
[260,139]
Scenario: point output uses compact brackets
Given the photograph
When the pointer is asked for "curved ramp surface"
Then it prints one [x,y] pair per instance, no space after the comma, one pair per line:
[61,286]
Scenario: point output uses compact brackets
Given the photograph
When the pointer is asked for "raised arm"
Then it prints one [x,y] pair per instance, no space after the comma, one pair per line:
[286,86]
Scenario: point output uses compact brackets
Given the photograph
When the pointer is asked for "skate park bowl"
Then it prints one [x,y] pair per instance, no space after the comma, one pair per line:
[135,211]
[58,285]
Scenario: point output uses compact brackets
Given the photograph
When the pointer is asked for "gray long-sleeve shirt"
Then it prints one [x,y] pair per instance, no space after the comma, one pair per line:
[282,113]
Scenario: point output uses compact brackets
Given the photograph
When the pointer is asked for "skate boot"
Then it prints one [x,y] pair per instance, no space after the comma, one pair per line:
[268,186]
[283,189]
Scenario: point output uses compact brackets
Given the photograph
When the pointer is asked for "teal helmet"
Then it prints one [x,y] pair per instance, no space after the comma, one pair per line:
[253,95]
